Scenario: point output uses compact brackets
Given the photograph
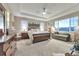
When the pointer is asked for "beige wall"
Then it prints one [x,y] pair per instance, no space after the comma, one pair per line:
[18,20]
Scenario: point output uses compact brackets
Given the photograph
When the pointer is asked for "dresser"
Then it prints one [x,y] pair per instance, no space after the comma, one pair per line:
[7,45]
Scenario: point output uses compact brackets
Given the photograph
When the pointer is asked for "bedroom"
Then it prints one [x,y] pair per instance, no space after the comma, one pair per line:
[45,29]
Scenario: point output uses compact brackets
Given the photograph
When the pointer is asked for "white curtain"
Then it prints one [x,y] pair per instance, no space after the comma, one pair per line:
[42,26]
[24,25]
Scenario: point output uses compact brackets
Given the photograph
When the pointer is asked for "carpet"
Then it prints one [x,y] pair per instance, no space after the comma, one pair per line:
[45,48]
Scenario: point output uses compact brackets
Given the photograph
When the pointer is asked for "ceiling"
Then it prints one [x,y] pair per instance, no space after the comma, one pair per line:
[34,10]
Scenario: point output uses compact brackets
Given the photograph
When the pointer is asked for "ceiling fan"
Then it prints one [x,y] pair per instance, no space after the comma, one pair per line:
[44,11]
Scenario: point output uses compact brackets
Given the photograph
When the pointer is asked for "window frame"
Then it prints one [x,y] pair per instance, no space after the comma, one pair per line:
[69,23]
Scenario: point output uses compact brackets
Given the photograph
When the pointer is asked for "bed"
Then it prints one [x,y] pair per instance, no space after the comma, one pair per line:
[40,36]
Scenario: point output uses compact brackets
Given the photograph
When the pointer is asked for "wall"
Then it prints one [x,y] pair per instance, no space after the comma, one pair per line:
[18,20]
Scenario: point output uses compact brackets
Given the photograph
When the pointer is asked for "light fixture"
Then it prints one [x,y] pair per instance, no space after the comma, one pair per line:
[44,11]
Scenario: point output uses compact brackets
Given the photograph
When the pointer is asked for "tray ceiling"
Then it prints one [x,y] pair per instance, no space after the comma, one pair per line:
[34,10]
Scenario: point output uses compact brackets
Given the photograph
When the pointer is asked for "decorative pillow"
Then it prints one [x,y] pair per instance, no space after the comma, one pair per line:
[56,32]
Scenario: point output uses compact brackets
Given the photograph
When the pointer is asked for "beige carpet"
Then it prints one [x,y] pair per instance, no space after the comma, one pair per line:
[45,48]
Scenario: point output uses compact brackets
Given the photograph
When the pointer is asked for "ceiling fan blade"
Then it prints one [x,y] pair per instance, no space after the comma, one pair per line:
[49,13]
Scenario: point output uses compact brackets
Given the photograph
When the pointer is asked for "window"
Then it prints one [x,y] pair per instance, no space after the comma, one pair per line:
[73,23]
[64,25]
[24,25]
[2,18]
[67,24]
[1,22]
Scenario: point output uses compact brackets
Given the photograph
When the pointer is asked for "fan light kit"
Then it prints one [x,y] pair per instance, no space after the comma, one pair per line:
[44,11]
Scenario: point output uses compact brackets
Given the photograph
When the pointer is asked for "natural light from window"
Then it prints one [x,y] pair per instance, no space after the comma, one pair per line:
[24,25]
[67,25]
